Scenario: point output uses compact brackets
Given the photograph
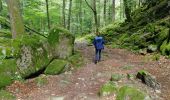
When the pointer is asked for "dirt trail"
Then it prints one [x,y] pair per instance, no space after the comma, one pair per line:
[84,83]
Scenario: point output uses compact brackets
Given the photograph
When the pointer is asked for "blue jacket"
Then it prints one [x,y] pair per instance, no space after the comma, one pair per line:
[98,42]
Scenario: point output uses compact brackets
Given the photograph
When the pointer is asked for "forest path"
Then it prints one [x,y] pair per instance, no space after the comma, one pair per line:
[84,83]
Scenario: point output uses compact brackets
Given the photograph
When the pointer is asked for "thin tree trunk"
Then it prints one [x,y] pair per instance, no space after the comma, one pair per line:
[104,12]
[48,17]
[17,26]
[1,5]
[99,14]
[95,14]
[69,15]
[109,14]
[81,20]
[113,10]
[63,11]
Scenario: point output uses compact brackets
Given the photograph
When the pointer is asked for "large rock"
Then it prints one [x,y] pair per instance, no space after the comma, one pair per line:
[108,89]
[61,43]
[57,67]
[130,93]
[31,55]
[34,54]
[148,79]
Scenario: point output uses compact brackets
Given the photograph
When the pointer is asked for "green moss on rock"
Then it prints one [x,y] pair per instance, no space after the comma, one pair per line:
[76,60]
[61,43]
[130,93]
[108,89]
[55,34]
[56,67]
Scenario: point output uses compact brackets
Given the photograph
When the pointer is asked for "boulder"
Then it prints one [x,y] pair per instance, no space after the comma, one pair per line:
[148,79]
[108,89]
[130,93]
[57,67]
[61,43]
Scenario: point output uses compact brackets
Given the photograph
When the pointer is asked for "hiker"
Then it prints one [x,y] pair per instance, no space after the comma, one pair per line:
[98,43]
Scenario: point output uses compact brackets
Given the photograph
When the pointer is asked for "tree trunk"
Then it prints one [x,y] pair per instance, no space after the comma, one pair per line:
[17,26]
[127,11]
[113,10]
[48,17]
[63,11]
[80,16]
[69,15]
[99,7]
[104,12]
[1,5]
[95,14]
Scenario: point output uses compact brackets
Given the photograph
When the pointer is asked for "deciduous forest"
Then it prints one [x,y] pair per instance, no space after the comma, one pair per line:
[48,50]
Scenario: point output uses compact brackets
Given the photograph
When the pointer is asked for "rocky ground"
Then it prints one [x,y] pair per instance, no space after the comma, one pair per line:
[85,82]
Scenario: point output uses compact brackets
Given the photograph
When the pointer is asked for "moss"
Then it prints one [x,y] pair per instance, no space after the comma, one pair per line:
[116,77]
[156,57]
[7,70]
[76,60]
[143,72]
[56,67]
[5,80]
[5,95]
[55,34]
[130,93]
[41,81]
[108,89]
[127,67]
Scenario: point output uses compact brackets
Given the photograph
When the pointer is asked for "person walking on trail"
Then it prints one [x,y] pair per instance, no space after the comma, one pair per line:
[98,43]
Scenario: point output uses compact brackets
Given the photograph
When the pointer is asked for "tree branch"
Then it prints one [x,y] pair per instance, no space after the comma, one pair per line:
[28,28]
[89,6]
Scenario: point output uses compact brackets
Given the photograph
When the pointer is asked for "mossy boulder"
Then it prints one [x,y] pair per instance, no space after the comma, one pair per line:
[57,67]
[130,93]
[61,43]
[31,55]
[108,89]
[148,79]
